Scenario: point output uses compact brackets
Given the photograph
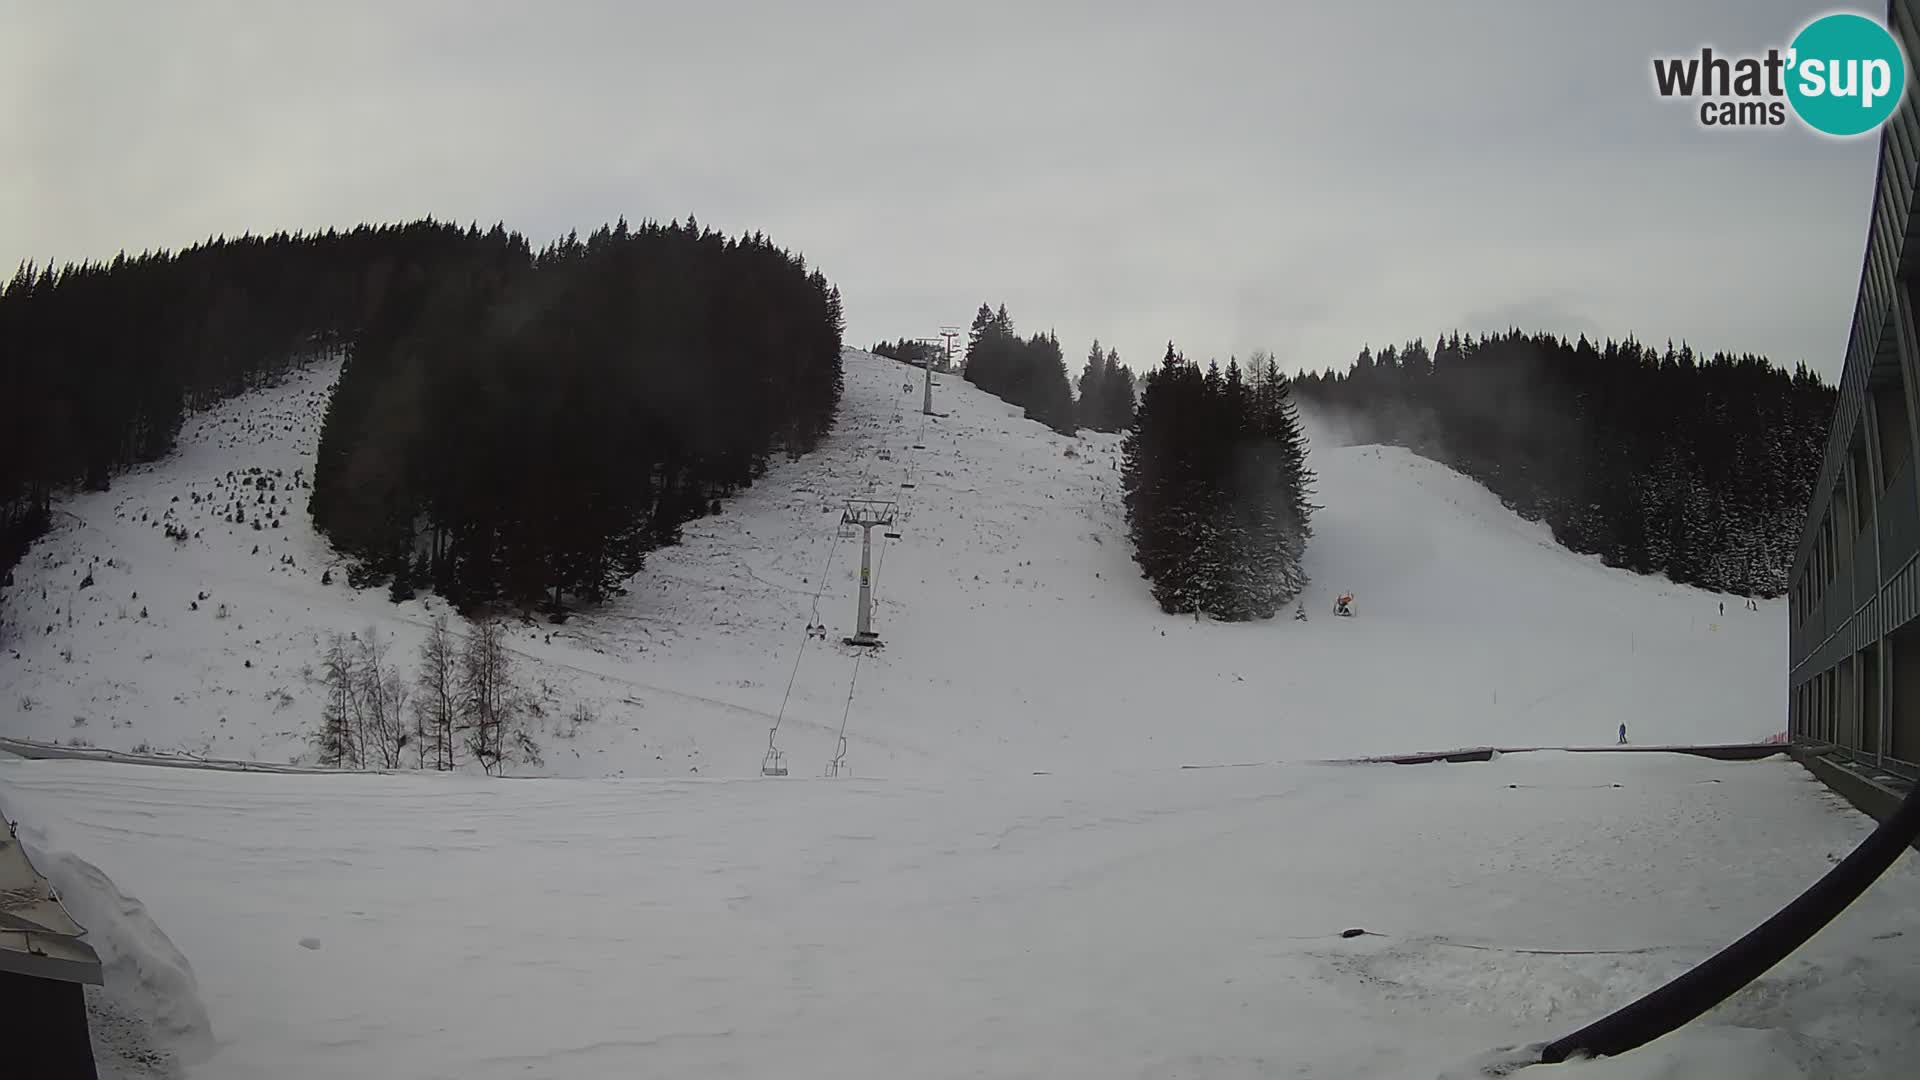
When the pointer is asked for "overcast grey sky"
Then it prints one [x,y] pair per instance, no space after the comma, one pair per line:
[1290,176]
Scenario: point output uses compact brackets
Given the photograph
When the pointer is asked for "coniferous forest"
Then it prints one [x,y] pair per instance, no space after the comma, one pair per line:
[1106,392]
[1662,462]
[101,362]
[1217,489]
[914,353]
[508,424]
[1030,372]
[528,429]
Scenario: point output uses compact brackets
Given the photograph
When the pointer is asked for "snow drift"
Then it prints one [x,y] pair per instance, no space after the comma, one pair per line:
[147,1017]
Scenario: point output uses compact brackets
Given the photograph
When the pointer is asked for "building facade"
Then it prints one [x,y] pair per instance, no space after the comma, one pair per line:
[1854,643]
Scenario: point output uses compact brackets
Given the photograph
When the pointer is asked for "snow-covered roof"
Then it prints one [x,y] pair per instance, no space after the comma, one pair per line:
[37,936]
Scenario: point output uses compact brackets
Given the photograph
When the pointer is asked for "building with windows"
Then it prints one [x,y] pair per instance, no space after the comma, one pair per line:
[1854,600]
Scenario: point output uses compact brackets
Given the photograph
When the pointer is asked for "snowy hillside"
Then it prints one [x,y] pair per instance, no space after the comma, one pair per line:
[1019,636]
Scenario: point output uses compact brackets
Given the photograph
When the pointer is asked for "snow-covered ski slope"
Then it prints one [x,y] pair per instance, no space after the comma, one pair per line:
[946,912]
[1170,924]
[1018,633]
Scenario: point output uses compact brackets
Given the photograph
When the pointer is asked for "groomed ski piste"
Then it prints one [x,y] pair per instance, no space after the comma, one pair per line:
[1018,873]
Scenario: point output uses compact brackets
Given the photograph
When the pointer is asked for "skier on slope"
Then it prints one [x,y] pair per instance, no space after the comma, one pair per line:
[1343,605]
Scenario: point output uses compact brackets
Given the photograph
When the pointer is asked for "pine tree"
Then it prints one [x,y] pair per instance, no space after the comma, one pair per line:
[1091,409]
[1216,490]
[1116,406]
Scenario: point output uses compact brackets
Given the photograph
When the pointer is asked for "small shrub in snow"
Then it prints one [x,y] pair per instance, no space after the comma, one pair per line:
[580,717]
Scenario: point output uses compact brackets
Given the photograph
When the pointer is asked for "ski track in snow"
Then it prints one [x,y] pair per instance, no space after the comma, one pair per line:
[658,908]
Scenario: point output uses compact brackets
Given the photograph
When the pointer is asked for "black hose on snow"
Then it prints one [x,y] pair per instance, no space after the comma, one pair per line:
[1724,973]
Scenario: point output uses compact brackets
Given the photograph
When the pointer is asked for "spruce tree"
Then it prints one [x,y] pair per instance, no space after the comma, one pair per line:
[1216,490]
[1091,409]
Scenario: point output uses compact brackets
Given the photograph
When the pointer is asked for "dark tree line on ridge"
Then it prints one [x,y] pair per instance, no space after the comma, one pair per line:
[1659,461]
[101,362]
[1217,489]
[528,428]
[508,425]
[1032,372]
[914,353]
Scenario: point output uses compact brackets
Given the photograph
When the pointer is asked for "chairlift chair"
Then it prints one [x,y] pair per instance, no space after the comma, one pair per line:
[839,763]
[775,763]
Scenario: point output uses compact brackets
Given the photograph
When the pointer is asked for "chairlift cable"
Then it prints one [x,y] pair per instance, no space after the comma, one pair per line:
[811,618]
[839,759]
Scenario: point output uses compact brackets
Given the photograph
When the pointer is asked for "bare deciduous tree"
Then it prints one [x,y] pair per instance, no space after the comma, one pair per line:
[383,702]
[496,731]
[437,708]
[339,746]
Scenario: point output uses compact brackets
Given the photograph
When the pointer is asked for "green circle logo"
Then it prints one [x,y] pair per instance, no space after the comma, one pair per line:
[1846,74]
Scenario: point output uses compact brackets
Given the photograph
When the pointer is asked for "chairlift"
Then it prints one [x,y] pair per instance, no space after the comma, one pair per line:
[906,484]
[775,763]
[891,535]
